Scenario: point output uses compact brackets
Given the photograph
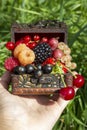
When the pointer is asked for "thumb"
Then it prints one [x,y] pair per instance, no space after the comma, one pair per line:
[4,82]
[60,105]
[63,103]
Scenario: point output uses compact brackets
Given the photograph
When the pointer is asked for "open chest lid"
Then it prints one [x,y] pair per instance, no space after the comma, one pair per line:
[47,28]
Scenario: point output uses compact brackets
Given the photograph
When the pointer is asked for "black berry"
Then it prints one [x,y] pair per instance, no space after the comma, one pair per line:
[19,70]
[38,73]
[42,52]
[47,68]
[39,66]
[29,68]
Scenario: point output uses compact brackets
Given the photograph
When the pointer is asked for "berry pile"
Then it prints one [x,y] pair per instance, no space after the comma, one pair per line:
[37,55]
[42,52]
[36,71]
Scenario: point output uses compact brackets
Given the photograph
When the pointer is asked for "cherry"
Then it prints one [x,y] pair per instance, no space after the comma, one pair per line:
[10,46]
[67,93]
[36,38]
[32,45]
[78,81]
[27,38]
[19,42]
[27,44]
[44,39]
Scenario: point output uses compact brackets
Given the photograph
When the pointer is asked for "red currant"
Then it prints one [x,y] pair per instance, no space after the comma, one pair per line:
[44,39]
[32,45]
[36,38]
[27,38]
[78,81]
[67,93]
[10,46]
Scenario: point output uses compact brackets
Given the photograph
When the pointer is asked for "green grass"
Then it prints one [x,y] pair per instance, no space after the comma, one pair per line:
[74,14]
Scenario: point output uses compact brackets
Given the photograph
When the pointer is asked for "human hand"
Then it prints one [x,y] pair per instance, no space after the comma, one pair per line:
[28,113]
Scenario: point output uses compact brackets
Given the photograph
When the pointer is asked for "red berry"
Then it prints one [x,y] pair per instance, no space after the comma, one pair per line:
[10,46]
[49,61]
[32,45]
[27,38]
[44,39]
[10,63]
[63,67]
[78,81]
[64,70]
[57,54]
[67,93]
[19,42]
[53,42]
[36,38]
[27,44]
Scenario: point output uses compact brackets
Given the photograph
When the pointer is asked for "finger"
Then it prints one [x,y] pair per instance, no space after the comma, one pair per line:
[58,107]
[5,80]
[61,102]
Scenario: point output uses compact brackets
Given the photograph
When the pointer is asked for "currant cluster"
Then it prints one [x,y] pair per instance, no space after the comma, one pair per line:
[38,55]
[36,71]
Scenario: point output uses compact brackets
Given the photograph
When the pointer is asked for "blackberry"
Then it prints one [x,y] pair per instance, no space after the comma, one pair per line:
[42,52]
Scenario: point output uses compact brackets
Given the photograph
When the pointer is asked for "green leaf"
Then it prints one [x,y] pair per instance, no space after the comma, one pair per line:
[27,11]
[77,120]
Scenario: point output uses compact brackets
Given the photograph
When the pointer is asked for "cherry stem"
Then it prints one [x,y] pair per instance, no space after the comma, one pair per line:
[63,81]
[60,72]
[69,70]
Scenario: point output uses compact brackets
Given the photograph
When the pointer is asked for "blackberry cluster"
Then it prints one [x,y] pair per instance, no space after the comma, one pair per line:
[42,52]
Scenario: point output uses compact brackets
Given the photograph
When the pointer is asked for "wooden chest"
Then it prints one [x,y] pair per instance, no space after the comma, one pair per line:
[48,83]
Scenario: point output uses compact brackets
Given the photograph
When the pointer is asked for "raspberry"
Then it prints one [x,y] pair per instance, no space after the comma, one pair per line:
[18,49]
[10,63]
